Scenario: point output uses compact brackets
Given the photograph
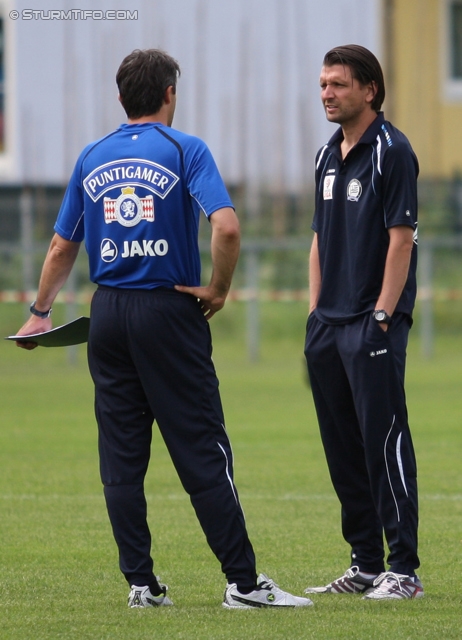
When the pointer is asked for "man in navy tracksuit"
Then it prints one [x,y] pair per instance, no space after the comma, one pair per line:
[362,293]
[135,197]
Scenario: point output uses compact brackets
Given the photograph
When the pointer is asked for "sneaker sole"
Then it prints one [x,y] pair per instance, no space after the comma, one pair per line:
[420,594]
[337,591]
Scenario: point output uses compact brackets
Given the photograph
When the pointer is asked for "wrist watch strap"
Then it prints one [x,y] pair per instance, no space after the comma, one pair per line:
[39,314]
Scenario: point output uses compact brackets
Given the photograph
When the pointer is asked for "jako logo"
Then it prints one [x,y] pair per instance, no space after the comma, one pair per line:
[109,250]
[148,248]
[378,353]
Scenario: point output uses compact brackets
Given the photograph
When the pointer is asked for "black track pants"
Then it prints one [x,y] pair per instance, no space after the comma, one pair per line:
[150,359]
[357,378]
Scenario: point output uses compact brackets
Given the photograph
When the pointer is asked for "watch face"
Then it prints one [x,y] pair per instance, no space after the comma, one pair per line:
[380,316]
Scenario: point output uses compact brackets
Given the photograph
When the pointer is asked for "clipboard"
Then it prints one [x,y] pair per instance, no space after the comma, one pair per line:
[74,332]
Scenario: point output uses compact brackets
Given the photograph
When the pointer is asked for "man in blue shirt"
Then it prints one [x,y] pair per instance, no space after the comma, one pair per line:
[135,197]
[362,293]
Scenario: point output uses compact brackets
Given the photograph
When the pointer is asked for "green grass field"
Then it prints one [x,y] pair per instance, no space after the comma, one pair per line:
[59,570]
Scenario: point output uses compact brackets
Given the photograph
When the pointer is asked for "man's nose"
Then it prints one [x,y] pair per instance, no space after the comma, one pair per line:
[327,92]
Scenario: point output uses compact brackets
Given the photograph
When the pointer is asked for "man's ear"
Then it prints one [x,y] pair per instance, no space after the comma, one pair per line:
[169,92]
[373,88]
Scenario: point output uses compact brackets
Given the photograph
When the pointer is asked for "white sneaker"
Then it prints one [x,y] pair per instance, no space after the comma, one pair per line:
[395,586]
[267,594]
[140,597]
[351,582]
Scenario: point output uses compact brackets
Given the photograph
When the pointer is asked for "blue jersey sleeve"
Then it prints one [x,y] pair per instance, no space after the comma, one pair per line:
[70,220]
[203,179]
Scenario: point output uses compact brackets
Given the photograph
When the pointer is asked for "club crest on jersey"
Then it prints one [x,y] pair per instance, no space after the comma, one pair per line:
[128,210]
[354,190]
[328,187]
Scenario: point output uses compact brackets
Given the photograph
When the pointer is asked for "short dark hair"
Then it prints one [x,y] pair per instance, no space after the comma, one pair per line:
[142,79]
[364,67]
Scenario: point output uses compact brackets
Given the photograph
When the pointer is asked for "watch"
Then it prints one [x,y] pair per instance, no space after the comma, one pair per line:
[380,315]
[39,314]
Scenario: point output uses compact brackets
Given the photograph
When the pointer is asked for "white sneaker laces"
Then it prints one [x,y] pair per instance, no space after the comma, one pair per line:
[382,581]
[351,572]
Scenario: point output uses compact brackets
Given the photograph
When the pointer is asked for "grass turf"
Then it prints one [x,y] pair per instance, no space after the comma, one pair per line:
[59,574]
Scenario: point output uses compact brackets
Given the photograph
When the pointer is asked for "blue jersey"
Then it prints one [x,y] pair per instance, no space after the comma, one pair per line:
[135,196]
[358,199]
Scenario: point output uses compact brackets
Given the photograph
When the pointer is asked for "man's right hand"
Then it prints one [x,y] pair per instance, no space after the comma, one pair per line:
[33,325]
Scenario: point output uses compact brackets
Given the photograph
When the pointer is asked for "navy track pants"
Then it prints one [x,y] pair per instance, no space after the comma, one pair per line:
[357,378]
[150,359]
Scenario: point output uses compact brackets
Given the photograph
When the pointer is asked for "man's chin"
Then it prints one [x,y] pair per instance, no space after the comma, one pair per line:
[335,118]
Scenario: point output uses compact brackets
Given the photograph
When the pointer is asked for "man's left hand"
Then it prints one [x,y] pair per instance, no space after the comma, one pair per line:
[210,301]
